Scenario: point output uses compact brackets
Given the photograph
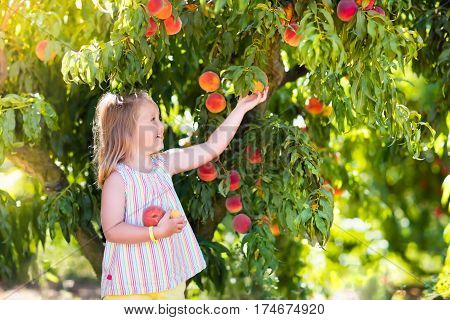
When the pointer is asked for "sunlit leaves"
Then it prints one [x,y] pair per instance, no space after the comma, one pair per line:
[242,77]
[33,111]
[72,208]
[320,44]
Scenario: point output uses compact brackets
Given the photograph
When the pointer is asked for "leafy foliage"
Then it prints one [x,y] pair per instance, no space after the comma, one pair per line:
[358,68]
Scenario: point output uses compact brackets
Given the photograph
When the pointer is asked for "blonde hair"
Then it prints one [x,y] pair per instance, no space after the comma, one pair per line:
[114,127]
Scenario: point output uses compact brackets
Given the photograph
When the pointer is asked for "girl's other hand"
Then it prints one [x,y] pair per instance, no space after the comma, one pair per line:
[252,100]
[168,226]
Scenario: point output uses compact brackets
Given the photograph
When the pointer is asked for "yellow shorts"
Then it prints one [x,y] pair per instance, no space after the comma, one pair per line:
[176,293]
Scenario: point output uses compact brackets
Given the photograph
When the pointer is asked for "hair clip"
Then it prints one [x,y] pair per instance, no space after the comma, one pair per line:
[119,100]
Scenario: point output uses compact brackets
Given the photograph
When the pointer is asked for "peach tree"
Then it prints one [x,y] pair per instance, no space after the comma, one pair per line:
[334,69]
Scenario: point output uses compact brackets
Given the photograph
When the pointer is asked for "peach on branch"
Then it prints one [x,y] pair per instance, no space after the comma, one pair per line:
[155,6]
[152,28]
[253,157]
[207,172]
[40,50]
[275,229]
[258,85]
[233,203]
[152,215]
[314,106]
[209,81]
[166,11]
[346,9]
[290,35]
[234,180]
[215,102]
[242,223]
[172,25]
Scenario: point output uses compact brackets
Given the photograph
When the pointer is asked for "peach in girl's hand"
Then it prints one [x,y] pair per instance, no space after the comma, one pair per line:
[175,214]
[168,226]
[152,215]
[252,100]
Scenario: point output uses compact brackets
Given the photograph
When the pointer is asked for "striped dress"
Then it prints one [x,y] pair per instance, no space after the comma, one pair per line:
[149,266]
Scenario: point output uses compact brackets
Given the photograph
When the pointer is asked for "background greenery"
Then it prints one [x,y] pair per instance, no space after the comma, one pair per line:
[381,232]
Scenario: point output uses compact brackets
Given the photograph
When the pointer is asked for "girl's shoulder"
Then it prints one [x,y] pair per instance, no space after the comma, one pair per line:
[115,181]
[119,173]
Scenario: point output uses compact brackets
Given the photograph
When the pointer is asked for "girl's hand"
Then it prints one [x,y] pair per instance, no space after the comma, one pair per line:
[168,226]
[252,100]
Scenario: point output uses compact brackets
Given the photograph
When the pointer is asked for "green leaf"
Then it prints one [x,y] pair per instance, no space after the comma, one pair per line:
[31,119]
[7,126]
[360,24]
[305,215]
[320,224]
[224,186]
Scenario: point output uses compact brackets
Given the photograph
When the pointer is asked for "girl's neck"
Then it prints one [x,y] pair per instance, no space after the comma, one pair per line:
[140,163]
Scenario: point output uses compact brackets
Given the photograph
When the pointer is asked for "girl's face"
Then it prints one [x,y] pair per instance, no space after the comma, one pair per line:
[150,129]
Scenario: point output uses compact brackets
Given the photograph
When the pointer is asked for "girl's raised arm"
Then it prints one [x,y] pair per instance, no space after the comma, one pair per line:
[183,159]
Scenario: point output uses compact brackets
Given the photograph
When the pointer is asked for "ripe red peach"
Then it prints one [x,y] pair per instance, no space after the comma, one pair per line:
[152,215]
[346,9]
[155,6]
[209,81]
[275,229]
[259,86]
[40,50]
[172,26]
[233,203]
[290,35]
[215,102]
[152,28]
[207,172]
[234,180]
[253,157]
[242,223]
[314,106]
[166,10]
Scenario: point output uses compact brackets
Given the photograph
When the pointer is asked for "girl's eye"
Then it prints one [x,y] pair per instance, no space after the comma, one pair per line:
[153,119]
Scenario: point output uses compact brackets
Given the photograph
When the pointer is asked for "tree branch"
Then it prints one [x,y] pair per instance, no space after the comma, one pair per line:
[293,74]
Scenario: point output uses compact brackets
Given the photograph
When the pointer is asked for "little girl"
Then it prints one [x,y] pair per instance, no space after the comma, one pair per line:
[142,262]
